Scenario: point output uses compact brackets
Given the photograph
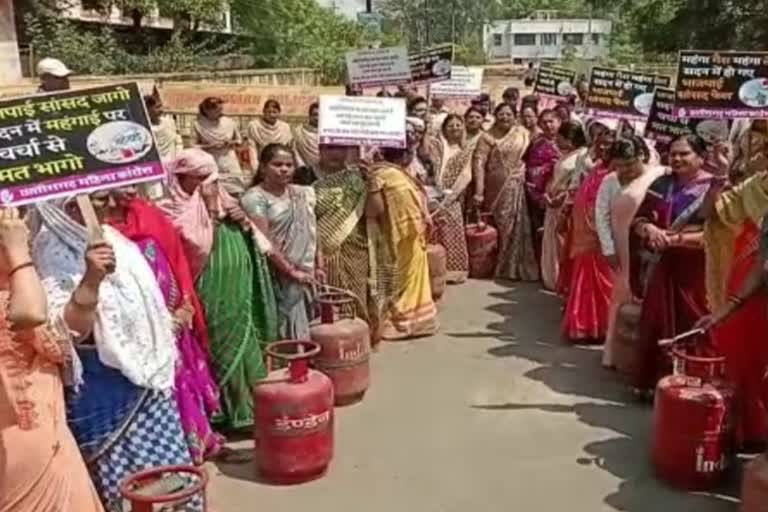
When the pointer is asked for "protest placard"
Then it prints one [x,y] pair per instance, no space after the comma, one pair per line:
[664,125]
[465,82]
[433,65]
[555,82]
[74,142]
[362,120]
[622,94]
[242,100]
[378,67]
[722,84]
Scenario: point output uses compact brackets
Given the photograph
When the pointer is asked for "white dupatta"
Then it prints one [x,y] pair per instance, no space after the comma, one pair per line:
[133,331]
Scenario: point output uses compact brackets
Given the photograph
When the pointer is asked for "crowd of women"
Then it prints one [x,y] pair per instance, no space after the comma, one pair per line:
[139,345]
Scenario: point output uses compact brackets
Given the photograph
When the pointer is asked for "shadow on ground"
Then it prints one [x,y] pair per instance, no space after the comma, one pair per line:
[577,371]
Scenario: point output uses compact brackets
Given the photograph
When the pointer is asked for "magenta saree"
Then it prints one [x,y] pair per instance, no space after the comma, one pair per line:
[195,391]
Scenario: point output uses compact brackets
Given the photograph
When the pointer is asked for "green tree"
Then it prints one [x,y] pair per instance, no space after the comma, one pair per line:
[289,33]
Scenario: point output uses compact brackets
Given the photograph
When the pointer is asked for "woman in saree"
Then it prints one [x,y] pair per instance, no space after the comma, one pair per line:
[42,468]
[571,143]
[589,294]
[341,235]
[452,157]
[218,135]
[286,214]
[120,407]
[499,175]
[473,124]
[529,118]
[737,252]
[398,223]
[196,393]
[306,149]
[750,150]
[598,150]
[540,160]
[227,257]
[671,229]
[417,140]
[266,130]
[618,201]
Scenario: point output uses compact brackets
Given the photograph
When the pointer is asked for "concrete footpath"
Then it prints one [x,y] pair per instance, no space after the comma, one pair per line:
[494,414]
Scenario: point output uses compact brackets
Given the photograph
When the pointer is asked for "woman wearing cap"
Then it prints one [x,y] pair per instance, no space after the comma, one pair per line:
[42,469]
[499,175]
[121,407]
[228,260]
[267,129]
[218,135]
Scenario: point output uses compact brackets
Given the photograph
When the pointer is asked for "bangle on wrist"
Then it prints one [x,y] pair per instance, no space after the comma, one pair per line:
[736,301]
[15,269]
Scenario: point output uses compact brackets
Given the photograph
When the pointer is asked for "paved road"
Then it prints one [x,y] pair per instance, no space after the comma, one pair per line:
[495,414]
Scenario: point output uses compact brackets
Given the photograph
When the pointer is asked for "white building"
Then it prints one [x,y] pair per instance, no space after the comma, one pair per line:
[346,8]
[545,36]
[91,11]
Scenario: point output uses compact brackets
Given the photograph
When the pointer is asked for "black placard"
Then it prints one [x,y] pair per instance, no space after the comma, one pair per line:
[555,82]
[433,65]
[67,143]
[664,125]
[722,85]
[622,94]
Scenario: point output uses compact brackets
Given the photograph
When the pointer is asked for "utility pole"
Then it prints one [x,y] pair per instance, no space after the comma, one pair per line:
[368,5]
[426,23]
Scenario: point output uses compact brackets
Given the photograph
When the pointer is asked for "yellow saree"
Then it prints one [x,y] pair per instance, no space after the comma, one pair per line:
[402,288]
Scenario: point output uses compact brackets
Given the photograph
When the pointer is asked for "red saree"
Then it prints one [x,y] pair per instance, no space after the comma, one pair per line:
[736,339]
[589,296]
[144,220]
[676,294]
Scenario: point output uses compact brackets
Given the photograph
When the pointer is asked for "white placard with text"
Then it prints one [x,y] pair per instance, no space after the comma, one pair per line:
[362,120]
[378,67]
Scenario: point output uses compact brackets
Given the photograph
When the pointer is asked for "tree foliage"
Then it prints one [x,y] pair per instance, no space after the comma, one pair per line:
[101,51]
[300,33]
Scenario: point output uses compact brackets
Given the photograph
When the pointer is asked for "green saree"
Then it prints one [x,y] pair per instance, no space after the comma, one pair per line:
[236,290]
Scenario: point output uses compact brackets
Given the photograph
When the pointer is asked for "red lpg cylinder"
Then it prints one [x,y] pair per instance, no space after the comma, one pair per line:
[754,486]
[293,423]
[438,270]
[693,423]
[627,350]
[345,346]
[165,487]
[482,244]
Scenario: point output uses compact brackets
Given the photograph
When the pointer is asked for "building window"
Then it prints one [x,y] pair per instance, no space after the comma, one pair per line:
[548,39]
[595,38]
[573,39]
[525,39]
[498,39]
